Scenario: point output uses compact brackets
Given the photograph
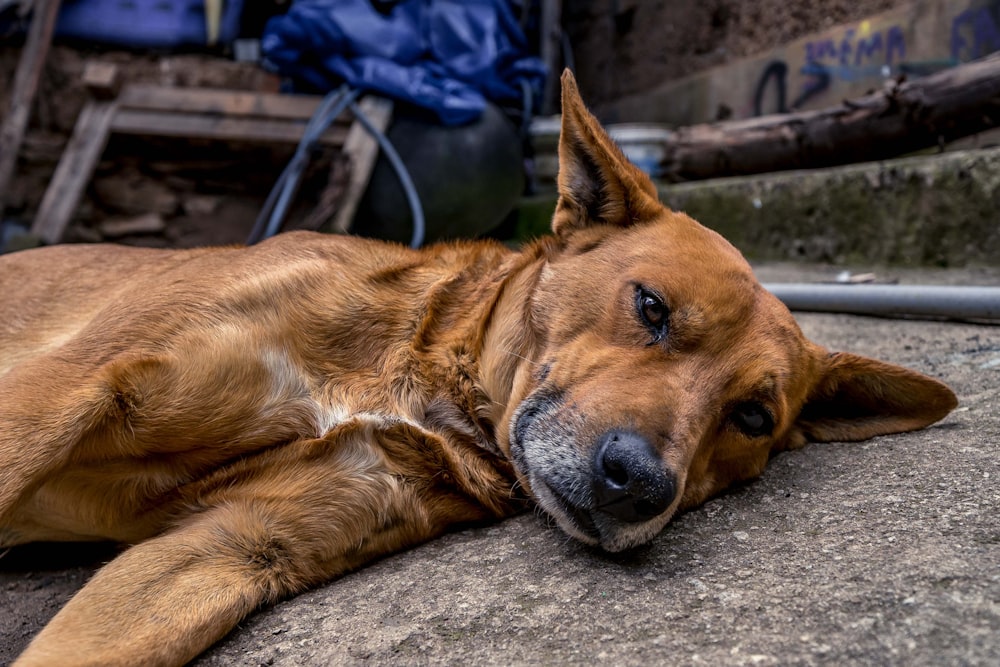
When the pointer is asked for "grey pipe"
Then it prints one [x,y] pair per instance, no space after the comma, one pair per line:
[916,300]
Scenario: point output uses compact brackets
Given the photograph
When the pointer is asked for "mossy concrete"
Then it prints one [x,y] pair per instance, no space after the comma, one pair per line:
[938,210]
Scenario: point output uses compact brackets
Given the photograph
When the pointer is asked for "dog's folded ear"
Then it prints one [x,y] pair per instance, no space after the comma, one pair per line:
[858,398]
[597,183]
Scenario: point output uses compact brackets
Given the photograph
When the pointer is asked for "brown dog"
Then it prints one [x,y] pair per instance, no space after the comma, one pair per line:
[258,420]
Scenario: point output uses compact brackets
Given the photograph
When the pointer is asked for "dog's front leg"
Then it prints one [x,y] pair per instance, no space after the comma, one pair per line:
[265,528]
[160,603]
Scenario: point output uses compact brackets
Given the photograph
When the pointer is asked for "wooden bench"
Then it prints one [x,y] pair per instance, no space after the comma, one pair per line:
[200,113]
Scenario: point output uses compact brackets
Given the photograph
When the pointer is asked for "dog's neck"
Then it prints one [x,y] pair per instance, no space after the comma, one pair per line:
[507,353]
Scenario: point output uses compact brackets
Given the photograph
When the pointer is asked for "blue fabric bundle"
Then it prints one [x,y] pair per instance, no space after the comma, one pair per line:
[446,56]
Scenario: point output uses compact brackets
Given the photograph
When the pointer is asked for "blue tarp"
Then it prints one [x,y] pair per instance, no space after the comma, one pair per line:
[445,56]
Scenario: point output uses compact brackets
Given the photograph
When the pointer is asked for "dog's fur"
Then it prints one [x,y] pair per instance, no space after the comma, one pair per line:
[255,421]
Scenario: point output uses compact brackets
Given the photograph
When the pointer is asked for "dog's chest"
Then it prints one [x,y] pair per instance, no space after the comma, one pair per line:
[329,399]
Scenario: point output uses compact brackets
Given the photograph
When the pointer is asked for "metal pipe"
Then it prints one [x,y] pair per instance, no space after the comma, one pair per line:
[887,300]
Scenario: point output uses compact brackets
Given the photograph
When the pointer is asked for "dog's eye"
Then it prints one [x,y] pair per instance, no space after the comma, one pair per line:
[653,313]
[753,419]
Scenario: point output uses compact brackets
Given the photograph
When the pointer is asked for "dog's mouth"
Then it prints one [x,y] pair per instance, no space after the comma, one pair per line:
[591,525]
[579,518]
[539,404]
[540,408]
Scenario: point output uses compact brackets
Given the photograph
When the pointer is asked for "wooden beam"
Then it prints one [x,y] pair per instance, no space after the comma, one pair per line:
[22,95]
[550,47]
[217,127]
[84,149]
[362,150]
[227,102]
[191,114]
[102,80]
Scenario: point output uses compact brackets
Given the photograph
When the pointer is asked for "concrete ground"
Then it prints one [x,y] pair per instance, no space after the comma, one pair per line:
[885,552]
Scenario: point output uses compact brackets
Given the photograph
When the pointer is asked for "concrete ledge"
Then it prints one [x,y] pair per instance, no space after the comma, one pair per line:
[939,210]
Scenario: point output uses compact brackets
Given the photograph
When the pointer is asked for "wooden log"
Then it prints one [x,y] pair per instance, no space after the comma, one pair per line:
[22,95]
[902,118]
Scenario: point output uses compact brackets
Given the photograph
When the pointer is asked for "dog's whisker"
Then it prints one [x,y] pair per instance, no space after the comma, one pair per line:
[514,488]
[519,356]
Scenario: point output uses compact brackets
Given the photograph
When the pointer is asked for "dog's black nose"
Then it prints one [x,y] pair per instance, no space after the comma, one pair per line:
[631,482]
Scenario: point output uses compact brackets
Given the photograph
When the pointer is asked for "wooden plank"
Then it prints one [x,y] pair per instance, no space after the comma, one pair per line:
[62,197]
[22,96]
[102,80]
[221,102]
[217,127]
[362,150]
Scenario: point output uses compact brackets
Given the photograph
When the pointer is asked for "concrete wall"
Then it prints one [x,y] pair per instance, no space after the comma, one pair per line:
[822,69]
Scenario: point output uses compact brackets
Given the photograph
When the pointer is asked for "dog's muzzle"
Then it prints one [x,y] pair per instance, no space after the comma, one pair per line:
[610,491]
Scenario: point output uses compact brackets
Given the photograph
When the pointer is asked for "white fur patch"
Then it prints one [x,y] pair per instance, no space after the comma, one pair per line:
[288,382]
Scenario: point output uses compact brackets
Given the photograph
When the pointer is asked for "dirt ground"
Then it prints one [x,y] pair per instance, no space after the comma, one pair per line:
[881,552]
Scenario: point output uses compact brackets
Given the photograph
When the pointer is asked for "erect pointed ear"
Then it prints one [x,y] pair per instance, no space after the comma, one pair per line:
[858,398]
[597,183]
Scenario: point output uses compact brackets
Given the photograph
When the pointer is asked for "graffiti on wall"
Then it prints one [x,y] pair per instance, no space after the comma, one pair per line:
[866,53]
[858,50]
[974,32]
[859,53]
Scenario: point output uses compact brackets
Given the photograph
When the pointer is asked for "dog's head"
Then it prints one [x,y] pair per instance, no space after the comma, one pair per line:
[665,372]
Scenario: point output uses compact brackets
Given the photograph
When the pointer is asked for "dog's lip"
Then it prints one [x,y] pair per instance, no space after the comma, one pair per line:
[543,398]
[579,517]
[527,411]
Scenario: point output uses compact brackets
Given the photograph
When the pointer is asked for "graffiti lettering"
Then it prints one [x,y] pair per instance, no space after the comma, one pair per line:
[778,71]
[821,50]
[868,48]
[867,52]
[886,47]
[820,81]
[980,24]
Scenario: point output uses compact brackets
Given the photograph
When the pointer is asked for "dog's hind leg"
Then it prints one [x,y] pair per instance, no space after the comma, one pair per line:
[44,412]
[188,411]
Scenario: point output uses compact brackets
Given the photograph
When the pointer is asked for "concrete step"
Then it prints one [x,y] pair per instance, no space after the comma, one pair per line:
[931,210]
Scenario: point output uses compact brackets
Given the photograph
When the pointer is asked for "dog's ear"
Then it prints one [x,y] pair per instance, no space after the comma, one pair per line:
[597,183]
[858,398]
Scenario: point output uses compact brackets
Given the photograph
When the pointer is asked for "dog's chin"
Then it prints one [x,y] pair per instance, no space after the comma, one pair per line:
[595,528]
